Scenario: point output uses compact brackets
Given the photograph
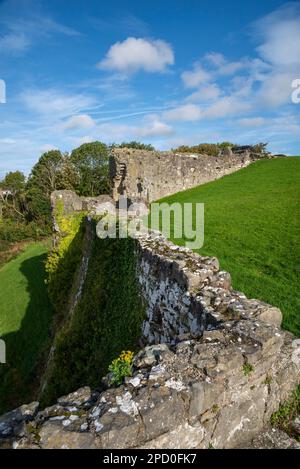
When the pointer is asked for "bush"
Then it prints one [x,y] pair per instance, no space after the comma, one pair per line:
[211,149]
[15,231]
[136,145]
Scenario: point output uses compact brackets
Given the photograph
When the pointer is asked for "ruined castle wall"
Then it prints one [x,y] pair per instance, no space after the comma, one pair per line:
[214,368]
[215,389]
[188,293]
[153,175]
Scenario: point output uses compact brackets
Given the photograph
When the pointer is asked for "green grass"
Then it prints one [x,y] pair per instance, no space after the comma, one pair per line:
[25,318]
[252,224]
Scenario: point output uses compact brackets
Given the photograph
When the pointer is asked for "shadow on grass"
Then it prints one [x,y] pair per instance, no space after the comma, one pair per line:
[19,377]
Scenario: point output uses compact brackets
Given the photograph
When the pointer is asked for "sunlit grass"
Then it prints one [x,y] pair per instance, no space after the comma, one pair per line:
[252,224]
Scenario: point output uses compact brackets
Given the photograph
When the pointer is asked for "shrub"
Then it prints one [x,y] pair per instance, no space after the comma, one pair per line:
[136,145]
[15,231]
[210,149]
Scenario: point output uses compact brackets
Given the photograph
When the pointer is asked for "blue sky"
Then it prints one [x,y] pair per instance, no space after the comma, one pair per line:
[164,72]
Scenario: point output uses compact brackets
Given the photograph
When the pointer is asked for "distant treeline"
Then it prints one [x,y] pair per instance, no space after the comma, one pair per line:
[215,149]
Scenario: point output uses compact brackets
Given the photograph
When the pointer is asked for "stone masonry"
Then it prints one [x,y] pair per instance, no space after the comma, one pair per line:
[147,175]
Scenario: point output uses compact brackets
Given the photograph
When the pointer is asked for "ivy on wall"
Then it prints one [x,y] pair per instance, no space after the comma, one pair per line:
[65,257]
[107,319]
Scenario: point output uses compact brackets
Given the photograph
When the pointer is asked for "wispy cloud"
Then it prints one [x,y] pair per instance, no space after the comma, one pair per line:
[54,102]
[25,24]
[125,23]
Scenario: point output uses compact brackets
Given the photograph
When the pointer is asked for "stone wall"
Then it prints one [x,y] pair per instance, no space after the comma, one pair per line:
[74,203]
[223,368]
[153,175]
[188,293]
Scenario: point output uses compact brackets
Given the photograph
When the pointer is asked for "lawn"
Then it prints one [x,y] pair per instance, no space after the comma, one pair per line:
[25,318]
[252,224]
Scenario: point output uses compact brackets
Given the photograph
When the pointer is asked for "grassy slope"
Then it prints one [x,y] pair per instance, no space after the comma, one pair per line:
[252,224]
[25,316]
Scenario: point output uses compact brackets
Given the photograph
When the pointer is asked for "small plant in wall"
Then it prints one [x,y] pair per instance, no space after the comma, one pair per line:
[247,369]
[121,367]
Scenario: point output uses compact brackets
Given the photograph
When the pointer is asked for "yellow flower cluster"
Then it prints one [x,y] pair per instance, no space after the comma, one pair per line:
[125,356]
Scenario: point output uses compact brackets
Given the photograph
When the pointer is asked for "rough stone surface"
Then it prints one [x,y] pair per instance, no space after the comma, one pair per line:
[187,293]
[192,394]
[151,175]
[272,439]
[73,203]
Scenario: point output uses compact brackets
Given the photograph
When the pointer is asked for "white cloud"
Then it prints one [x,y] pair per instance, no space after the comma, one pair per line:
[226,106]
[151,126]
[135,54]
[205,93]
[215,58]
[154,129]
[276,89]
[81,121]
[197,76]
[280,33]
[230,68]
[186,112]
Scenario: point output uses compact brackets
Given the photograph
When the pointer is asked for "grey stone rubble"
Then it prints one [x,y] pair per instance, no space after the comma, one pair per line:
[222,368]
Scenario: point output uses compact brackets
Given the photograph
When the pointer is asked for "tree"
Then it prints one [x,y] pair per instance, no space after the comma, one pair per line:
[44,175]
[90,162]
[12,195]
[43,180]
[67,177]
[13,182]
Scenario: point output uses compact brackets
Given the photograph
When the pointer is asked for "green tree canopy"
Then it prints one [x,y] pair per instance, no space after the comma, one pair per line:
[45,173]
[90,162]
[12,201]
[14,182]
[44,179]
